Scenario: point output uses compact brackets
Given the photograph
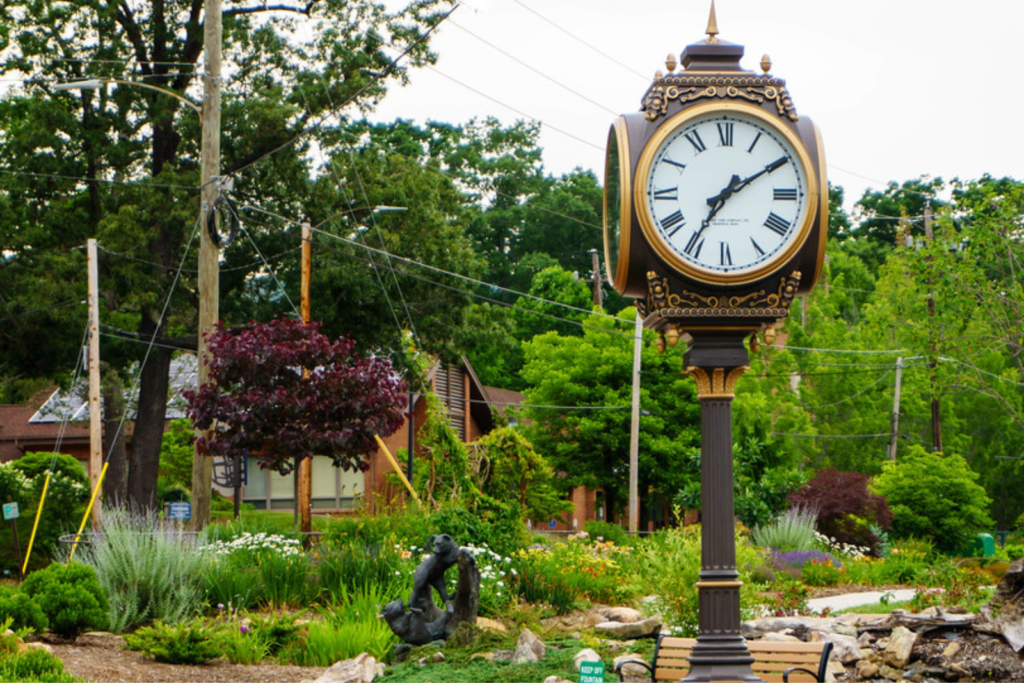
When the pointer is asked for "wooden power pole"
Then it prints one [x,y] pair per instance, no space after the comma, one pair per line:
[303,473]
[209,256]
[95,425]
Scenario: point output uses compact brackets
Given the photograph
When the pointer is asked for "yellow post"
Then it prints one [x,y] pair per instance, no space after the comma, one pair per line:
[35,525]
[95,491]
[398,469]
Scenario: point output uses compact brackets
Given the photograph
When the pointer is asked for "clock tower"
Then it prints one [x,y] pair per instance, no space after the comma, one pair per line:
[716,213]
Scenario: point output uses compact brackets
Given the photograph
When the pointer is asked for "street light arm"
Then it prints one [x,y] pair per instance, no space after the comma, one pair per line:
[94,83]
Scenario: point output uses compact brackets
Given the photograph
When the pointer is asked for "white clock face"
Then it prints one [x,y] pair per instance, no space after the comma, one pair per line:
[727,194]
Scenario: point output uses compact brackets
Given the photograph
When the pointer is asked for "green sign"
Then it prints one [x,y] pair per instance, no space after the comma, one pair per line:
[591,672]
[10,510]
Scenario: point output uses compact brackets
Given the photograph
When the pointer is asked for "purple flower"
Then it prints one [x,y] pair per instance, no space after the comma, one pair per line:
[795,559]
[244,629]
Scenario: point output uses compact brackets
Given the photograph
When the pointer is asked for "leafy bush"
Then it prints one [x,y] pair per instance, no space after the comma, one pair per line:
[1013,551]
[934,496]
[826,572]
[258,569]
[353,566]
[187,643]
[791,562]
[672,563]
[342,632]
[567,575]
[847,510]
[70,597]
[607,531]
[147,574]
[34,666]
[22,611]
[66,496]
[794,530]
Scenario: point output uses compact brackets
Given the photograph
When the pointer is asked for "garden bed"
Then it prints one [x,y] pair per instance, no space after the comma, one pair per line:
[102,658]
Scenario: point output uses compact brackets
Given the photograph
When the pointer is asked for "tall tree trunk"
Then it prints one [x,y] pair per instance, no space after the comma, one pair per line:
[115,483]
[149,422]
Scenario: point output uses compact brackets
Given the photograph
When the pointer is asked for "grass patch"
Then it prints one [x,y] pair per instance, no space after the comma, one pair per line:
[877,608]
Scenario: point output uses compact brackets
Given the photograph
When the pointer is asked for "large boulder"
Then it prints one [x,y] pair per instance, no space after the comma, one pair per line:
[361,669]
[529,649]
[1004,614]
[646,628]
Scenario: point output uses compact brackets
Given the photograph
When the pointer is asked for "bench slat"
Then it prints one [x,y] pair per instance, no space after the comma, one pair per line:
[770,659]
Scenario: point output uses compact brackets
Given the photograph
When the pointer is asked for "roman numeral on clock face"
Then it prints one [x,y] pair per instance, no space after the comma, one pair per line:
[784,195]
[693,246]
[671,193]
[672,223]
[757,247]
[725,134]
[777,224]
[725,256]
[694,138]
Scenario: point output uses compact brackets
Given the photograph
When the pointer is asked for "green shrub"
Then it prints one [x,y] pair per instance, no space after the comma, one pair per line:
[673,564]
[23,611]
[822,572]
[353,566]
[187,643]
[934,496]
[1013,551]
[349,628]
[34,666]
[607,531]
[66,497]
[70,597]
[255,570]
[793,530]
[146,573]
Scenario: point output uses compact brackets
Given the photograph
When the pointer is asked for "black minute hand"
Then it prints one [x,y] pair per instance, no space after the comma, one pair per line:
[778,163]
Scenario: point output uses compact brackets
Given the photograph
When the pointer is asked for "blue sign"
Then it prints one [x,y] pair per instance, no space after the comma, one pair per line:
[179,510]
[10,510]
[552,524]
[591,672]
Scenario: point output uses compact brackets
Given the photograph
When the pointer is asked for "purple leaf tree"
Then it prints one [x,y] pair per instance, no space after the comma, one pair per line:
[259,400]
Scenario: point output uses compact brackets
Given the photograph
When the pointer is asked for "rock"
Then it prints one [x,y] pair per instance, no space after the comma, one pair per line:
[955,672]
[886,671]
[629,669]
[846,649]
[585,655]
[623,615]
[1004,614]
[437,657]
[647,628]
[491,625]
[555,679]
[866,639]
[361,669]
[530,648]
[901,643]
[951,650]
[39,646]
[752,630]
[773,637]
[486,656]
[866,669]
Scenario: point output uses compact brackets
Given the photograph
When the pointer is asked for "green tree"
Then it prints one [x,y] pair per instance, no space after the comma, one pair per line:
[579,389]
[122,164]
[510,469]
[934,496]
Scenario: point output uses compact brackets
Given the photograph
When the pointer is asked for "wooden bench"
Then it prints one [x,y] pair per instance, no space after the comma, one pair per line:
[773,662]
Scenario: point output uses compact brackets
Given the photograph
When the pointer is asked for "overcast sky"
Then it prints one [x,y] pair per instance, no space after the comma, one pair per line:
[899,88]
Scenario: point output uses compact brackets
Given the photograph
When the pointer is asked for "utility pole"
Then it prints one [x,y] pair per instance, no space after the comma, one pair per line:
[634,428]
[303,473]
[209,256]
[95,425]
[896,409]
[595,276]
[936,412]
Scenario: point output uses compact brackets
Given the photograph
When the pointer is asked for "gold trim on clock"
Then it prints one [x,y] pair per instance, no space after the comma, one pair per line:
[654,237]
[618,278]
[823,184]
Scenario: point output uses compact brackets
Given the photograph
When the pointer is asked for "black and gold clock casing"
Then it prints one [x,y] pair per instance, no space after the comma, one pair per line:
[716,200]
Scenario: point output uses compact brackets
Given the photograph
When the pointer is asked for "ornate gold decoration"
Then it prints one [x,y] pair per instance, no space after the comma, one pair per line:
[717,384]
[670,63]
[766,64]
[689,88]
[750,304]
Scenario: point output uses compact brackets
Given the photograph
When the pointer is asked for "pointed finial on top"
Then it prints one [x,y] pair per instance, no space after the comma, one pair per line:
[712,25]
